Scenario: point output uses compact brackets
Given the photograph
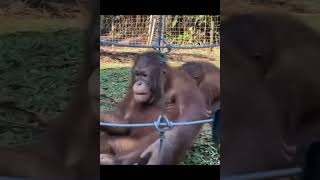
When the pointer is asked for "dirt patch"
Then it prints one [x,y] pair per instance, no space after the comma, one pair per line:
[126,55]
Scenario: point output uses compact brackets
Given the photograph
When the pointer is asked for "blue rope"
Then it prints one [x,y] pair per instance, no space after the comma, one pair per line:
[159,124]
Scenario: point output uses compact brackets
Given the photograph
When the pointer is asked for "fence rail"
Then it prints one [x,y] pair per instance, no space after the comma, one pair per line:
[185,123]
[111,43]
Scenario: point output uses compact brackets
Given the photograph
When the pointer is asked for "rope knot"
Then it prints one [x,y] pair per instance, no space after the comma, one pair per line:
[162,62]
[162,119]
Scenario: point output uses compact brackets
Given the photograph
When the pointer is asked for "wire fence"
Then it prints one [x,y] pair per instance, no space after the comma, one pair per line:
[178,31]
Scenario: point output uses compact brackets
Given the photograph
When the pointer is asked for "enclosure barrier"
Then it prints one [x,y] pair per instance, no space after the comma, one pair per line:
[141,30]
[111,43]
[157,124]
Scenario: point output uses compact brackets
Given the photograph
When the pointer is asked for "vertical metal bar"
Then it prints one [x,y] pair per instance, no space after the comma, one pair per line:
[162,28]
[160,35]
[150,30]
[212,30]
[162,100]
[112,28]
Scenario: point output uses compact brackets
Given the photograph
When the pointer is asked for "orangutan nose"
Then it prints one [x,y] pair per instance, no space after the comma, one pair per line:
[139,83]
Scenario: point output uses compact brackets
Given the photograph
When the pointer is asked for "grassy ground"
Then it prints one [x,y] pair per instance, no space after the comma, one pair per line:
[39,62]
[312,20]
[30,24]
[114,79]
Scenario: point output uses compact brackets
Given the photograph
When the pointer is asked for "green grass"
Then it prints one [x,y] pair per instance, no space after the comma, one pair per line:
[114,83]
[39,63]
[312,20]
[12,25]
[114,79]
[203,152]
